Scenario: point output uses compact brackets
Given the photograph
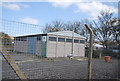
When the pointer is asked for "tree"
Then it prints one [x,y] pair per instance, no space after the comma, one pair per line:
[54,27]
[6,40]
[84,32]
[115,29]
[60,26]
[103,27]
[76,26]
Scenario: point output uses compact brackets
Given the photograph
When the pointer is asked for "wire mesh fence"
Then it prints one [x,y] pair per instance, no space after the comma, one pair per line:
[11,29]
[14,28]
[27,54]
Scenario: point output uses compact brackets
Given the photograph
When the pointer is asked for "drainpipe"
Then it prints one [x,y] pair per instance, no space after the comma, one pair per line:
[90,53]
[72,42]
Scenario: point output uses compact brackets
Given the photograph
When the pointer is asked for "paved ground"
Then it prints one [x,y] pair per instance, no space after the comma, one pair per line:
[37,68]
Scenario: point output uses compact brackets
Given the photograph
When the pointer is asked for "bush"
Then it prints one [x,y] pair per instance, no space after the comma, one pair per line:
[104,52]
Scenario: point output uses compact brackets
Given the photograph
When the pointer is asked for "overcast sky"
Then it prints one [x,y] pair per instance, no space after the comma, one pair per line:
[41,13]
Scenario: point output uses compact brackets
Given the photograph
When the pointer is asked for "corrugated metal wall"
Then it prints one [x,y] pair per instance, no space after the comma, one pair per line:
[32,45]
[21,46]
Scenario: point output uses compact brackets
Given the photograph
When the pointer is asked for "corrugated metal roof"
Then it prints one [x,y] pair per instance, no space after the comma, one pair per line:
[66,33]
[61,33]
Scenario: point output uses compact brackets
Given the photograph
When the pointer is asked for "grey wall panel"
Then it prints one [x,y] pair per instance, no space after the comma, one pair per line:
[81,50]
[68,48]
[60,49]
[76,49]
[51,49]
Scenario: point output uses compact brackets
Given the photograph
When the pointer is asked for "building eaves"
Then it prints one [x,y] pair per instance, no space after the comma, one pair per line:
[66,33]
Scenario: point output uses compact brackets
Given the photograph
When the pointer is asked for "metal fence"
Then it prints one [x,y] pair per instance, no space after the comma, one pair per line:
[29,66]
[20,60]
[11,68]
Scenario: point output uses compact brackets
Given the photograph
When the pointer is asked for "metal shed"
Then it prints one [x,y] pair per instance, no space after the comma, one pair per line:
[54,44]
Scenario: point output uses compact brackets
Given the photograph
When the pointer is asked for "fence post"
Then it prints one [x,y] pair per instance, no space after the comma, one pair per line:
[90,53]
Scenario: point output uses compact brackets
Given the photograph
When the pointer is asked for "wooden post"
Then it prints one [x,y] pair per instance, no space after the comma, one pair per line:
[90,53]
[12,64]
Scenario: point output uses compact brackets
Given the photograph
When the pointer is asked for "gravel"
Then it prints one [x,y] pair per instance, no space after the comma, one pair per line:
[37,68]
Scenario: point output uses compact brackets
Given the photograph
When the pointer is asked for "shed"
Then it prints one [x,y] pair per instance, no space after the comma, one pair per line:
[53,44]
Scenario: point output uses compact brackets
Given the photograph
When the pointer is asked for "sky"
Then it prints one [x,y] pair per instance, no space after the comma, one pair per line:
[41,13]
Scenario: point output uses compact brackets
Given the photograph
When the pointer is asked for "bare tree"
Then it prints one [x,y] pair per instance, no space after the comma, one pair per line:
[83,30]
[103,27]
[59,26]
[115,29]
[73,26]
[54,27]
